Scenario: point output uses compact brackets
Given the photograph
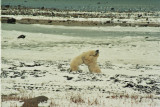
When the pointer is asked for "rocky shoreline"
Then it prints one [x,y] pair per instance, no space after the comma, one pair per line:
[79,18]
[74,23]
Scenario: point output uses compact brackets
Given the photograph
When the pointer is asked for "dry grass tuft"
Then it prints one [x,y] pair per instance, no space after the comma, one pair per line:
[77,99]
[93,102]
[53,104]
[83,99]
[134,97]
[13,105]
[13,98]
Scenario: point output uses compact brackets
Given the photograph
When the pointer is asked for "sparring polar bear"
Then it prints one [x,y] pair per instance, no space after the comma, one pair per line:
[88,58]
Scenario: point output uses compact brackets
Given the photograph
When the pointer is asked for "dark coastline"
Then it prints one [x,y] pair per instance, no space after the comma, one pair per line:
[68,15]
[74,23]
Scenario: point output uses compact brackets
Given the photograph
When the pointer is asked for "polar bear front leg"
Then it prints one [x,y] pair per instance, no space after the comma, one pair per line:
[94,68]
[75,63]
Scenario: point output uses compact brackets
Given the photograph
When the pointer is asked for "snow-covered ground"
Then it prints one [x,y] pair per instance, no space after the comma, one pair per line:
[39,65]
[154,20]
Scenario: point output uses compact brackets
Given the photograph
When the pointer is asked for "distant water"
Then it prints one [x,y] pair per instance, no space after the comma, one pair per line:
[75,32]
[89,5]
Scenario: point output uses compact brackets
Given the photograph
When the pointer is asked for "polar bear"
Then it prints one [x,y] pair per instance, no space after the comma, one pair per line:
[88,58]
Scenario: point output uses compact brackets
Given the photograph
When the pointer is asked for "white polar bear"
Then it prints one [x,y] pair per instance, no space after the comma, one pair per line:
[88,58]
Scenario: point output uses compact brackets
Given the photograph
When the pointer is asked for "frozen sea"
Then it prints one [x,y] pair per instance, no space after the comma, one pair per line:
[91,32]
[90,5]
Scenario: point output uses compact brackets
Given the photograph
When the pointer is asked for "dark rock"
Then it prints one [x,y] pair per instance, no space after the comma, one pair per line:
[117,75]
[36,76]
[146,37]
[151,82]
[132,77]
[21,64]
[23,77]
[71,88]
[112,9]
[158,92]
[62,70]
[133,45]
[108,22]
[43,7]
[130,85]
[155,88]
[59,66]
[12,68]
[112,78]
[12,77]
[11,21]
[139,15]
[37,64]
[23,72]
[138,66]
[79,71]
[98,2]
[140,86]
[36,87]
[36,70]
[7,6]
[17,73]
[57,90]
[34,14]
[148,91]
[93,78]
[32,73]
[29,65]
[68,78]
[49,21]
[4,74]
[116,80]
[21,37]
[15,76]
[44,72]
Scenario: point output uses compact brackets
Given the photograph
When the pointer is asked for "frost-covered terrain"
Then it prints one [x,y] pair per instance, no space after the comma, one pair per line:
[80,18]
[38,65]
[116,19]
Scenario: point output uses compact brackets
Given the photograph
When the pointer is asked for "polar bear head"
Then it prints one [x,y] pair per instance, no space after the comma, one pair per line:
[90,57]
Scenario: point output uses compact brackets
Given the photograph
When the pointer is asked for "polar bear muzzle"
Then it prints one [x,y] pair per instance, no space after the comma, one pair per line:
[97,52]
